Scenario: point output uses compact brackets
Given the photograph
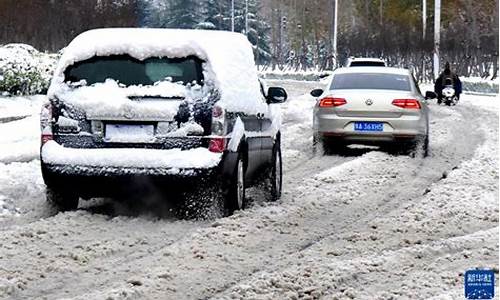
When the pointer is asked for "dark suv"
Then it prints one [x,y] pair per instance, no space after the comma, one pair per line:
[175,108]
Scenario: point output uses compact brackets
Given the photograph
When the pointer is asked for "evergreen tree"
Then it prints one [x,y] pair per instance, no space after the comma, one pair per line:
[182,14]
[218,13]
[213,12]
[258,32]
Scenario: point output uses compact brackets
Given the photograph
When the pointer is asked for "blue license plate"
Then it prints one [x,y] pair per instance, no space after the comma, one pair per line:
[368,126]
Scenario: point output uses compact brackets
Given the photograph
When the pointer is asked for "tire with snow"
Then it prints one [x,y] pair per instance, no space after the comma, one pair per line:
[332,146]
[201,202]
[61,199]
[420,147]
[317,144]
[235,195]
[276,173]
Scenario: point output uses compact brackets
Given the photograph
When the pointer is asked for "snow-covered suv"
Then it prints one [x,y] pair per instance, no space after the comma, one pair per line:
[173,107]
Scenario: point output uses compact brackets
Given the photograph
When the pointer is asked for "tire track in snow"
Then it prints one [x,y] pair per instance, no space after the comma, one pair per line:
[381,209]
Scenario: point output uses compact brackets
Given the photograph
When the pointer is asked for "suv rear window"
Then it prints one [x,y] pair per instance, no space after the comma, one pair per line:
[372,81]
[367,64]
[130,71]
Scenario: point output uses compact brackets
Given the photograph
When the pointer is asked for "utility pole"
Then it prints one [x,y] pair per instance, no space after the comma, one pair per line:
[437,35]
[424,18]
[246,17]
[232,15]
[335,27]
[424,30]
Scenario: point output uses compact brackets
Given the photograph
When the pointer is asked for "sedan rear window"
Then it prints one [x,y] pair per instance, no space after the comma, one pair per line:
[367,64]
[372,81]
[130,71]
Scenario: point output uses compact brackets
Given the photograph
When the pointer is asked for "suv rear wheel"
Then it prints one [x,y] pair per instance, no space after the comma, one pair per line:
[276,173]
[62,199]
[235,199]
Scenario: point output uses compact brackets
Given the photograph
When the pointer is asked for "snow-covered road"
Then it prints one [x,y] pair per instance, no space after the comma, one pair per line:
[362,225]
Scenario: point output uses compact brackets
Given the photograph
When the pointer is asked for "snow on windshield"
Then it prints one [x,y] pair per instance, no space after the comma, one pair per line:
[229,64]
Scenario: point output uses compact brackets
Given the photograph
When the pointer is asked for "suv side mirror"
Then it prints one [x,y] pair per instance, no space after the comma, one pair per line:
[276,95]
[430,95]
[316,93]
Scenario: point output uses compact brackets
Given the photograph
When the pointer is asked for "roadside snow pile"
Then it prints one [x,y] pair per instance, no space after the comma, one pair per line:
[310,75]
[229,69]
[480,85]
[7,207]
[20,128]
[24,70]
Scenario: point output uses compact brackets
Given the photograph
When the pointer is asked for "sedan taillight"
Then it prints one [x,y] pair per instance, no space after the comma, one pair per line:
[46,123]
[407,103]
[332,102]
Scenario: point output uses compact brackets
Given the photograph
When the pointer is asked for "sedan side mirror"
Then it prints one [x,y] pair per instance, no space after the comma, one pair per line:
[430,95]
[276,95]
[316,93]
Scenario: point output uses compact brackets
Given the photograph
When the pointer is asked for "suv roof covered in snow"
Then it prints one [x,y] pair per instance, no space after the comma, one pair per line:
[228,58]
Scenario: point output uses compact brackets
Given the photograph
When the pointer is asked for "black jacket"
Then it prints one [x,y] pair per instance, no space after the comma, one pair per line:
[447,78]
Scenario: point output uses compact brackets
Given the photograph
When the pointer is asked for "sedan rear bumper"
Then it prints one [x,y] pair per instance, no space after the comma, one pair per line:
[405,128]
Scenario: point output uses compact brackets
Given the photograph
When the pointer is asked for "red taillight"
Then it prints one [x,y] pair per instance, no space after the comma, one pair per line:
[46,123]
[46,138]
[331,102]
[217,112]
[407,103]
[217,145]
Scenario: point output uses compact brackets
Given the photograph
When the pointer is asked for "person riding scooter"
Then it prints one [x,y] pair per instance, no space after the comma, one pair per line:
[447,78]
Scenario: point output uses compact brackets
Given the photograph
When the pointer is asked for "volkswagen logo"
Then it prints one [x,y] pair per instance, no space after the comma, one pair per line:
[128,113]
[369,102]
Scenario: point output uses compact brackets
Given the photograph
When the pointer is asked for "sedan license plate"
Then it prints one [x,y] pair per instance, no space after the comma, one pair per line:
[126,133]
[368,126]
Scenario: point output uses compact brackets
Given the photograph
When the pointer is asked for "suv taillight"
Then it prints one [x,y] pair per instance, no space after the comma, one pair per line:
[46,123]
[218,141]
[407,103]
[217,145]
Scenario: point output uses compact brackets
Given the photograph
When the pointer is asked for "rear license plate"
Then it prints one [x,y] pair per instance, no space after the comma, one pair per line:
[368,126]
[129,133]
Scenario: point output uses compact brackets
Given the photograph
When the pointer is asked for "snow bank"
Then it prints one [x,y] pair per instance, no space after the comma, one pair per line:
[24,70]
[299,75]
[229,64]
[480,85]
[198,158]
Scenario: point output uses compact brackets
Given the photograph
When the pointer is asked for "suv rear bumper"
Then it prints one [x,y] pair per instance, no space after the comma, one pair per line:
[94,172]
